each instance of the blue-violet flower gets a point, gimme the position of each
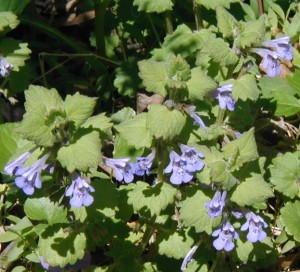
(281, 46)
(192, 157)
(216, 205)
(5, 67)
(12, 167)
(225, 234)
(225, 98)
(122, 169)
(255, 224)
(80, 191)
(143, 164)
(30, 177)
(178, 166)
(197, 120)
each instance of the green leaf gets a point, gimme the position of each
(8, 21)
(78, 108)
(245, 88)
(44, 209)
(123, 115)
(294, 81)
(19, 269)
(135, 131)
(247, 192)
(200, 84)
(15, 52)
(278, 10)
(15, 6)
(213, 4)
(286, 104)
(175, 245)
(153, 199)
(127, 81)
(165, 123)
(184, 41)
(290, 217)
(8, 236)
(193, 212)
(99, 121)
(220, 52)
(252, 32)
(285, 173)
(60, 247)
(153, 75)
(226, 22)
(241, 150)
(82, 154)
(271, 85)
(153, 5)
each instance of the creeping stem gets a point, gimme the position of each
(198, 16)
(168, 22)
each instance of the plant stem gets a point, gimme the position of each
(147, 234)
(220, 117)
(100, 8)
(154, 30)
(260, 7)
(160, 154)
(168, 21)
(198, 16)
(212, 269)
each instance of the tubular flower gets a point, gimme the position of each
(30, 177)
(225, 98)
(225, 234)
(192, 157)
(197, 120)
(281, 46)
(12, 167)
(143, 164)
(255, 224)
(178, 168)
(122, 169)
(79, 190)
(216, 205)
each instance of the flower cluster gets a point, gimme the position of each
(227, 233)
(124, 170)
(183, 167)
(27, 178)
(275, 51)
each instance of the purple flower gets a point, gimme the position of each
(12, 167)
(225, 236)
(79, 190)
(49, 267)
(237, 214)
(270, 61)
(30, 177)
(255, 225)
(5, 67)
(122, 169)
(197, 120)
(178, 166)
(192, 157)
(281, 46)
(143, 165)
(216, 205)
(225, 98)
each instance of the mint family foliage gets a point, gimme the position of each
(201, 175)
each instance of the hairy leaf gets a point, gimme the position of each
(290, 216)
(153, 5)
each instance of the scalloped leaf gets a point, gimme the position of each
(245, 88)
(78, 108)
(247, 192)
(165, 123)
(213, 4)
(153, 199)
(175, 245)
(153, 5)
(15, 52)
(99, 121)
(60, 247)
(285, 174)
(44, 209)
(200, 84)
(135, 131)
(82, 154)
(290, 217)
(226, 22)
(193, 212)
(8, 21)
(220, 52)
(154, 76)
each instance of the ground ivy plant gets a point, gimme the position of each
(182, 154)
